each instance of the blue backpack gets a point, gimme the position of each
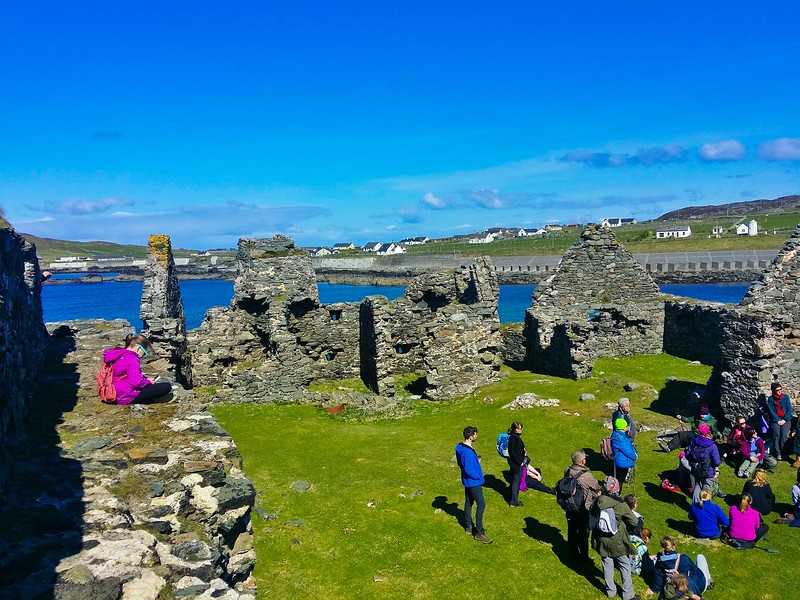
(502, 444)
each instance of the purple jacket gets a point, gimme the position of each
(760, 449)
(128, 378)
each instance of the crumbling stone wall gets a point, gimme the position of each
(694, 330)
(161, 310)
(22, 338)
(276, 337)
(599, 302)
(761, 339)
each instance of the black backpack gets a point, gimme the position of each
(569, 494)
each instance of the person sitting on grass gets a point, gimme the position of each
(669, 560)
(707, 516)
(678, 587)
(641, 563)
(735, 438)
(681, 439)
(752, 451)
(789, 518)
(746, 526)
(760, 491)
(633, 502)
(533, 480)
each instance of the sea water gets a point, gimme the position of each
(121, 299)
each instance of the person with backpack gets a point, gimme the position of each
(516, 462)
(669, 561)
(703, 457)
(624, 453)
(128, 381)
(610, 538)
(779, 407)
(623, 411)
(575, 493)
(472, 479)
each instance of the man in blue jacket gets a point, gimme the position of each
(472, 478)
(624, 453)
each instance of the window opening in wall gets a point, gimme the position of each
(335, 315)
(330, 356)
(403, 348)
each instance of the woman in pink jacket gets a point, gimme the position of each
(129, 382)
(746, 526)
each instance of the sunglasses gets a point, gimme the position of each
(143, 349)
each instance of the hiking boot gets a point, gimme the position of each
(721, 494)
(515, 504)
(664, 446)
(481, 537)
(796, 463)
(468, 531)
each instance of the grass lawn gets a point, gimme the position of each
(382, 516)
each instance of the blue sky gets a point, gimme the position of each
(355, 121)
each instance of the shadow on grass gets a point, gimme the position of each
(496, 485)
(673, 397)
(450, 508)
(681, 526)
(656, 492)
(597, 464)
(548, 534)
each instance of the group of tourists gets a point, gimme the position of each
(596, 510)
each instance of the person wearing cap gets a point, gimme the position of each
(624, 453)
(779, 407)
(703, 457)
(680, 439)
(615, 550)
(623, 411)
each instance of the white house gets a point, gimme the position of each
(742, 229)
(680, 231)
(752, 228)
(320, 251)
(484, 239)
(371, 246)
(414, 241)
(344, 246)
(530, 232)
(615, 222)
(390, 248)
(717, 230)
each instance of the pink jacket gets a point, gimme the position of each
(744, 525)
(128, 378)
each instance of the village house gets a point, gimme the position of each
(522, 232)
(320, 251)
(371, 246)
(414, 241)
(717, 231)
(342, 247)
(617, 222)
(679, 231)
(390, 248)
(482, 239)
(749, 228)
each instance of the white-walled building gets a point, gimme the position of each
(680, 231)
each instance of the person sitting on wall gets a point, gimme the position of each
(681, 439)
(131, 385)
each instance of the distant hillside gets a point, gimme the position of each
(49, 249)
(784, 204)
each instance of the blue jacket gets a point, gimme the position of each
(471, 471)
(707, 518)
(666, 560)
(624, 453)
(786, 404)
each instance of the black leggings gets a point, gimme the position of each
(153, 393)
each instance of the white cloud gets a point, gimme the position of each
(432, 201)
(725, 150)
(485, 199)
(780, 149)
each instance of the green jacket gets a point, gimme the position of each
(618, 544)
(711, 422)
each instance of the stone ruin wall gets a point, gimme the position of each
(599, 302)
(161, 310)
(22, 338)
(693, 330)
(761, 339)
(275, 337)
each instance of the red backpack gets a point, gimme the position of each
(105, 383)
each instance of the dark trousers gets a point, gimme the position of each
(474, 495)
(621, 473)
(153, 392)
(760, 533)
(779, 437)
(578, 535)
(679, 439)
(516, 478)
